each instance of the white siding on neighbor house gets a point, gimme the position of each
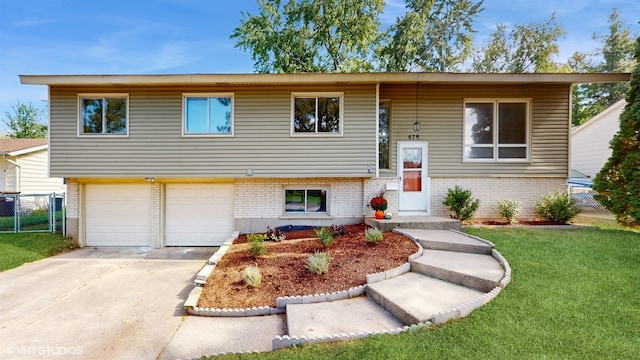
(262, 137)
(440, 112)
(34, 174)
(590, 141)
(32, 177)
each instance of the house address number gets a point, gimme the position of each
(414, 137)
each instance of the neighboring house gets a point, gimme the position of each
(182, 160)
(25, 167)
(590, 141)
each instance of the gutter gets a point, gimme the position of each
(4, 157)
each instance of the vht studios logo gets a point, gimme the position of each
(45, 350)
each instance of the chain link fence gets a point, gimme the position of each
(584, 199)
(32, 213)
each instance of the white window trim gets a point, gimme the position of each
(208, 95)
(496, 146)
(80, 122)
(295, 95)
(306, 188)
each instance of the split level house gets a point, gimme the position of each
(185, 160)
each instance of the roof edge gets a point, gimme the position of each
(324, 78)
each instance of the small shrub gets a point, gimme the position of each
(337, 230)
(318, 262)
(460, 203)
(256, 237)
(252, 276)
(373, 236)
(324, 235)
(509, 210)
(275, 234)
(558, 207)
(257, 247)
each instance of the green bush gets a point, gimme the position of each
(558, 207)
(319, 262)
(324, 235)
(252, 276)
(461, 205)
(257, 247)
(373, 236)
(509, 210)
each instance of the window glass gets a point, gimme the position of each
(513, 123)
(208, 115)
(329, 115)
(305, 115)
(305, 201)
(478, 122)
(104, 115)
(383, 136)
(316, 114)
(495, 130)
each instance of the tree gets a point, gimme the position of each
(523, 49)
(311, 35)
(618, 182)
(617, 53)
(25, 122)
(433, 35)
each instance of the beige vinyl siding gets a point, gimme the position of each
(440, 112)
(155, 146)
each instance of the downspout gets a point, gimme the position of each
(4, 157)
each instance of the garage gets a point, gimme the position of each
(118, 214)
(198, 214)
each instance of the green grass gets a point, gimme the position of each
(20, 248)
(574, 294)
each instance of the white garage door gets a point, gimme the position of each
(198, 214)
(118, 214)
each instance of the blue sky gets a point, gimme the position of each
(192, 36)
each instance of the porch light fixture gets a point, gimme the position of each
(416, 125)
(150, 180)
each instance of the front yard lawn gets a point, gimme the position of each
(574, 294)
(20, 248)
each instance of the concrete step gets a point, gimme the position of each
(356, 315)
(414, 298)
(448, 241)
(425, 222)
(476, 271)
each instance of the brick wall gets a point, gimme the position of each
(527, 191)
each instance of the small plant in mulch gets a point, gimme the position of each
(509, 210)
(252, 276)
(373, 236)
(337, 230)
(275, 234)
(324, 236)
(257, 247)
(318, 262)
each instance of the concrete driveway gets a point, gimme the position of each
(97, 303)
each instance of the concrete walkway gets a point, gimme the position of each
(129, 303)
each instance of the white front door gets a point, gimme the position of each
(413, 192)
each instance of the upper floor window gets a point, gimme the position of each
(317, 113)
(103, 114)
(496, 130)
(208, 114)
